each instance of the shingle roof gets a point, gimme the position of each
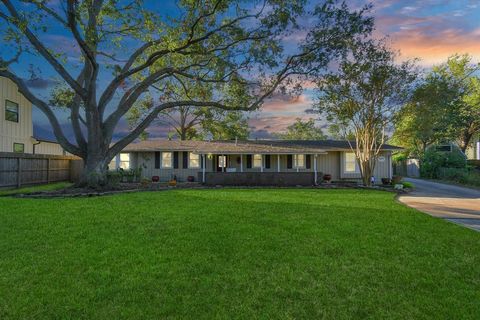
(244, 146)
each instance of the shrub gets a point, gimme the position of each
(433, 162)
(467, 176)
(407, 184)
(114, 178)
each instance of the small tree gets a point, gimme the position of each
(363, 96)
(302, 130)
(125, 48)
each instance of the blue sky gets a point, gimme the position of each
(430, 30)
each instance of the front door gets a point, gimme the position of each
(221, 163)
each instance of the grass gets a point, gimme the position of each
(37, 188)
(232, 253)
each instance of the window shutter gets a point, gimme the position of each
(157, 159)
(267, 161)
(249, 161)
(201, 161)
(175, 160)
(185, 159)
(308, 161)
(289, 161)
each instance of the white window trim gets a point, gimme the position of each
(357, 169)
(222, 161)
(170, 166)
(190, 161)
(17, 106)
(295, 161)
(120, 161)
(260, 165)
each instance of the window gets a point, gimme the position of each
(299, 161)
(167, 159)
(351, 162)
(444, 148)
(222, 161)
(257, 160)
(124, 161)
(11, 111)
(18, 148)
(193, 160)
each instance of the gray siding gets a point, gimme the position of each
(15, 132)
(382, 168)
(330, 163)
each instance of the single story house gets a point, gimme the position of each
(250, 162)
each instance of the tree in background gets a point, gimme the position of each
(225, 125)
(421, 121)
(444, 107)
(124, 49)
(196, 123)
(302, 130)
(462, 113)
(363, 97)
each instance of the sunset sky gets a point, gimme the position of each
(430, 30)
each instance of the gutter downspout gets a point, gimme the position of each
(204, 164)
(35, 144)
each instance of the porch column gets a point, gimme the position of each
(261, 165)
(390, 166)
(295, 161)
(278, 163)
(315, 168)
(241, 163)
(204, 165)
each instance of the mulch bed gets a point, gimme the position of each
(74, 192)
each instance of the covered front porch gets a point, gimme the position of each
(259, 169)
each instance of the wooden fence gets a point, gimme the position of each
(27, 169)
(407, 168)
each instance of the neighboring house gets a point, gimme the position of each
(16, 125)
(473, 151)
(259, 162)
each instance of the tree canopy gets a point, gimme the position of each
(122, 51)
(444, 107)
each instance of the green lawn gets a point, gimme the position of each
(228, 253)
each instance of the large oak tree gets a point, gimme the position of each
(230, 48)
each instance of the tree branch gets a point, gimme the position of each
(41, 49)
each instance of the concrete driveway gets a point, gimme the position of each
(456, 204)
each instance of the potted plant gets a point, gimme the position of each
(155, 179)
(190, 178)
(145, 182)
(386, 181)
(173, 181)
(327, 178)
(396, 180)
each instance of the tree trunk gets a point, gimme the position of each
(94, 173)
(465, 140)
(366, 173)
